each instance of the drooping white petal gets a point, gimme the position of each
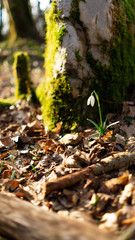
(88, 101)
(91, 101)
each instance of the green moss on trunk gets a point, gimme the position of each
(6, 103)
(23, 83)
(112, 82)
(75, 13)
(55, 94)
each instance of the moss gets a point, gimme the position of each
(111, 82)
(62, 30)
(75, 13)
(59, 105)
(78, 56)
(23, 83)
(55, 93)
(104, 46)
(6, 102)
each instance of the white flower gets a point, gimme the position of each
(91, 101)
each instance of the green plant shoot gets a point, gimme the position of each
(102, 127)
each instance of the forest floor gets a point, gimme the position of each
(60, 172)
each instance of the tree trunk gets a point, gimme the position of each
(0, 19)
(20, 19)
(89, 46)
(21, 220)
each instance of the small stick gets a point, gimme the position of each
(66, 181)
(118, 160)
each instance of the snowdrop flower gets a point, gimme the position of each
(91, 101)
(102, 127)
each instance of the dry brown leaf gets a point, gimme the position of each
(131, 144)
(128, 109)
(6, 167)
(57, 129)
(128, 221)
(108, 137)
(21, 193)
(71, 139)
(128, 211)
(99, 202)
(127, 192)
(8, 142)
(114, 183)
(35, 125)
(120, 139)
(6, 173)
(24, 138)
(11, 127)
(109, 221)
(49, 144)
(130, 131)
(12, 185)
(4, 155)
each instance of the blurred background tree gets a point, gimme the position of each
(20, 19)
(0, 20)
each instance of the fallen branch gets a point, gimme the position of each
(67, 180)
(21, 220)
(110, 163)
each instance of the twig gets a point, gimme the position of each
(107, 164)
(66, 181)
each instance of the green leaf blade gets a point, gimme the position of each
(112, 124)
(104, 125)
(94, 124)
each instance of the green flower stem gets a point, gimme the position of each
(102, 128)
(99, 108)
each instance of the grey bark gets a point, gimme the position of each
(21, 220)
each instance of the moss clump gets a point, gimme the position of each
(57, 104)
(55, 94)
(23, 83)
(6, 103)
(112, 82)
(78, 56)
(75, 13)
(62, 30)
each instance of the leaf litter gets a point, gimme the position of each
(57, 171)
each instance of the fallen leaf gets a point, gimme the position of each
(21, 193)
(128, 221)
(108, 136)
(130, 146)
(12, 185)
(4, 155)
(57, 129)
(109, 221)
(120, 139)
(127, 193)
(8, 142)
(114, 183)
(71, 139)
(6, 173)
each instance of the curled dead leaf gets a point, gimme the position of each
(12, 185)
